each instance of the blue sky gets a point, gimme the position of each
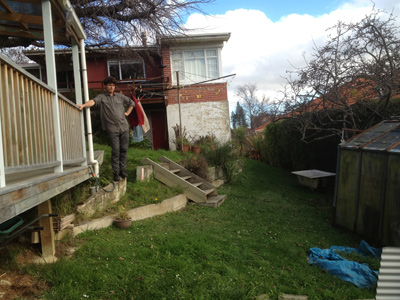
(275, 9)
(269, 38)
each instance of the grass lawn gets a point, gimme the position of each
(255, 243)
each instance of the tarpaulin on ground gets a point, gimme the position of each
(358, 274)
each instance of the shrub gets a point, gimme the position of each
(197, 164)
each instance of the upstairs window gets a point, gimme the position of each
(195, 65)
(124, 70)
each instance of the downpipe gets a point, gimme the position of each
(91, 159)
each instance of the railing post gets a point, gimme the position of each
(2, 172)
(52, 76)
(78, 93)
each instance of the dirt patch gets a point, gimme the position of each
(16, 285)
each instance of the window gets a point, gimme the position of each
(65, 80)
(195, 65)
(126, 69)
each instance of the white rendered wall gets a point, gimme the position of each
(200, 119)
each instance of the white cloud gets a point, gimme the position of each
(261, 51)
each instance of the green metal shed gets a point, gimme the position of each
(367, 189)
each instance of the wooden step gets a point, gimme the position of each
(214, 201)
(167, 172)
(208, 191)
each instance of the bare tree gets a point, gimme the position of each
(256, 111)
(15, 54)
(123, 22)
(359, 62)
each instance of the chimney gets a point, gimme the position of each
(144, 38)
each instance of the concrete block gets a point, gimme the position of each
(217, 183)
(169, 205)
(144, 173)
(211, 174)
(262, 297)
(101, 199)
(93, 225)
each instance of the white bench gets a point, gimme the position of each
(313, 178)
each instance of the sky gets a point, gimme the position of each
(270, 37)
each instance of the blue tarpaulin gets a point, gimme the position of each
(358, 274)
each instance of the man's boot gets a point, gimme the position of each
(123, 174)
(116, 177)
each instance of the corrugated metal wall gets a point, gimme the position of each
(389, 275)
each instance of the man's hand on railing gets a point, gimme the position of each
(90, 103)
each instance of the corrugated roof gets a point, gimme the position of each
(384, 136)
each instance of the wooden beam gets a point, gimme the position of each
(46, 235)
(17, 17)
(6, 6)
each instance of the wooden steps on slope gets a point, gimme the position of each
(195, 188)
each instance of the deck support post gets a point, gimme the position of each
(46, 235)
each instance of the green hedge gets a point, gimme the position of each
(283, 146)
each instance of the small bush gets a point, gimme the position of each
(197, 164)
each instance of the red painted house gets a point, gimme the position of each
(150, 74)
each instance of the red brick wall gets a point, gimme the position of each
(207, 92)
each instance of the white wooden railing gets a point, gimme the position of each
(27, 133)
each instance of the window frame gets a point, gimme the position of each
(125, 61)
(187, 79)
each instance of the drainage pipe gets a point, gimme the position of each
(91, 159)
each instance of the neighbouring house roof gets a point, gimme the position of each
(262, 127)
(350, 93)
(25, 20)
(384, 136)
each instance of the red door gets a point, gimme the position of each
(160, 134)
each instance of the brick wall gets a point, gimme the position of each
(207, 92)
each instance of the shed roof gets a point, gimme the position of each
(384, 136)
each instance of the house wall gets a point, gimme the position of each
(97, 71)
(200, 119)
(204, 107)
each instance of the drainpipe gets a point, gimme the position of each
(91, 159)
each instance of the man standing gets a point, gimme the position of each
(113, 111)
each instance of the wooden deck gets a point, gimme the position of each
(30, 189)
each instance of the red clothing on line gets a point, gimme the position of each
(136, 118)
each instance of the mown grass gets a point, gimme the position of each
(255, 243)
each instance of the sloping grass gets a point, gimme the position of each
(255, 243)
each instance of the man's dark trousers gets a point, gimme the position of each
(119, 142)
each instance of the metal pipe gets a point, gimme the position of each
(88, 119)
